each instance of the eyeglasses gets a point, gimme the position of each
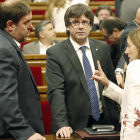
(106, 36)
(135, 22)
(76, 23)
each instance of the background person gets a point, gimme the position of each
(115, 30)
(69, 89)
(45, 32)
(103, 12)
(129, 97)
(20, 111)
(56, 10)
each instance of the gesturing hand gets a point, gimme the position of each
(99, 75)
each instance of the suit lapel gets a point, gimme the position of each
(72, 55)
(4, 33)
(95, 53)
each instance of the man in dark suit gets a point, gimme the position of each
(20, 112)
(46, 34)
(115, 30)
(69, 88)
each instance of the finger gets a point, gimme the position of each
(66, 132)
(95, 77)
(71, 131)
(95, 73)
(99, 66)
(61, 133)
(57, 133)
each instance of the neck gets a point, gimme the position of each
(46, 43)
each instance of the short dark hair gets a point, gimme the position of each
(40, 27)
(76, 11)
(14, 11)
(112, 22)
(107, 7)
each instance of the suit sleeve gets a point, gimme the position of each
(10, 111)
(56, 91)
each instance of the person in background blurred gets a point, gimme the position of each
(46, 34)
(56, 9)
(129, 98)
(103, 12)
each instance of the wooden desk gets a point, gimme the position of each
(73, 137)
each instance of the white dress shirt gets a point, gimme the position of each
(43, 48)
(91, 61)
(129, 99)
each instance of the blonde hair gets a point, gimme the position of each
(134, 36)
(50, 6)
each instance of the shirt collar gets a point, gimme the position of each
(43, 46)
(18, 44)
(77, 46)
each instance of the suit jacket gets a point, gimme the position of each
(32, 48)
(122, 45)
(20, 112)
(67, 90)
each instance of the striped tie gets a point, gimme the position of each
(91, 86)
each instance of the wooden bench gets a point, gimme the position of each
(62, 36)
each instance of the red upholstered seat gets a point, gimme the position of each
(22, 44)
(38, 12)
(36, 71)
(2, 0)
(47, 117)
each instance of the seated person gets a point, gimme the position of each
(103, 12)
(46, 34)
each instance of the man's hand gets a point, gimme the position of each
(64, 132)
(119, 79)
(36, 136)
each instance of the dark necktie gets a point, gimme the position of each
(91, 86)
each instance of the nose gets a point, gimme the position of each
(126, 51)
(80, 25)
(30, 25)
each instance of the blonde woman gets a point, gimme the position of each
(56, 9)
(129, 97)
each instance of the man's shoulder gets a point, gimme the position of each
(129, 27)
(31, 44)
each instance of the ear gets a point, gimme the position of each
(67, 28)
(41, 34)
(10, 25)
(90, 28)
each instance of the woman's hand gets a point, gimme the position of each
(99, 75)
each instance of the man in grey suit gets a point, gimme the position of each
(20, 111)
(115, 30)
(46, 34)
(69, 89)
